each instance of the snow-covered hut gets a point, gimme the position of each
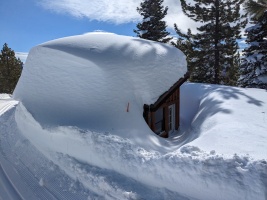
(98, 77)
(163, 116)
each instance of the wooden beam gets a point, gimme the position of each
(153, 121)
(166, 119)
(163, 98)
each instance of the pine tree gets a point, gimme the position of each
(215, 45)
(152, 26)
(253, 70)
(10, 70)
(256, 8)
(185, 43)
(233, 73)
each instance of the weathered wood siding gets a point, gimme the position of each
(173, 99)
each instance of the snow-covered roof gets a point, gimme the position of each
(94, 77)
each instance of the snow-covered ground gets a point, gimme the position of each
(221, 162)
(219, 152)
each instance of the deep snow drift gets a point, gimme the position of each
(95, 76)
(219, 152)
(87, 164)
(228, 119)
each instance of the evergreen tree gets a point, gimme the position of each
(10, 70)
(215, 45)
(152, 26)
(256, 8)
(253, 70)
(185, 43)
(233, 73)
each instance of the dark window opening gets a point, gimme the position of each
(159, 121)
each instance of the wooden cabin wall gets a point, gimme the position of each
(153, 121)
(177, 110)
(173, 99)
(166, 119)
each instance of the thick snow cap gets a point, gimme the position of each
(90, 80)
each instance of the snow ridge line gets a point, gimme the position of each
(7, 106)
(111, 184)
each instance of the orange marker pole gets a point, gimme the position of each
(128, 106)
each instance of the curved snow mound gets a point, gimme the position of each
(90, 80)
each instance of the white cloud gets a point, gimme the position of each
(116, 11)
(22, 55)
(176, 15)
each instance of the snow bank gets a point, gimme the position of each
(225, 120)
(188, 171)
(225, 158)
(4, 96)
(88, 80)
(6, 103)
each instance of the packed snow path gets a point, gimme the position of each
(7, 190)
(29, 173)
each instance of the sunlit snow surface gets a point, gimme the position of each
(88, 81)
(227, 163)
(220, 151)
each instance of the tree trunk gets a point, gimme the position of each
(216, 41)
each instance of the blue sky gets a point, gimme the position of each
(27, 23)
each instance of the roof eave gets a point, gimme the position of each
(166, 95)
